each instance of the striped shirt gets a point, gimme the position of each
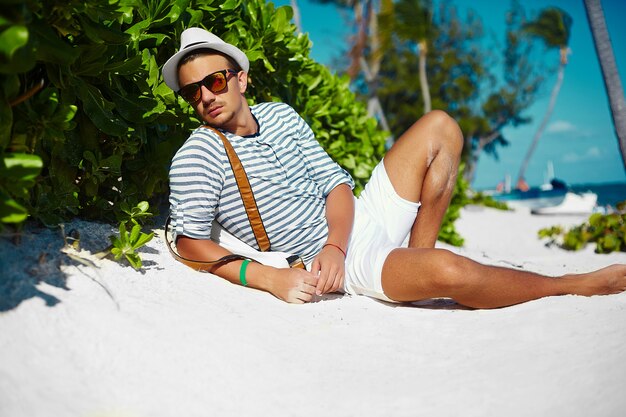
(289, 172)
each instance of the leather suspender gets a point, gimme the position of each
(251, 210)
(246, 193)
(192, 263)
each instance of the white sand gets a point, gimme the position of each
(174, 342)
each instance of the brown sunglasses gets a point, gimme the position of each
(215, 82)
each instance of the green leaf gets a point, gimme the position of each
(280, 19)
(166, 94)
(23, 60)
(229, 5)
(64, 116)
(91, 61)
(11, 211)
(362, 171)
(50, 47)
(314, 82)
(195, 16)
(612, 220)
(112, 164)
(91, 158)
(99, 110)
(143, 206)
(134, 234)
(12, 39)
(125, 67)
(137, 109)
(123, 235)
(142, 240)
(609, 243)
(138, 28)
(100, 33)
(595, 219)
(134, 260)
(21, 166)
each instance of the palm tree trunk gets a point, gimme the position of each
(362, 14)
(612, 82)
(470, 166)
(374, 108)
(371, 70)
(376, 54)
(422, 74)
(544, 122)
(474, 150)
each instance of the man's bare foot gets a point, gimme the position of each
(609, 280)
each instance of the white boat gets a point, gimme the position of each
(533, 198)
(552, 197)
(573, 203)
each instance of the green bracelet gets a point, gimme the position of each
(242, 272)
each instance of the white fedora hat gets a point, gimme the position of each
(197, 38)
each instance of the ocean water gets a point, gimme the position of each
(608, 194)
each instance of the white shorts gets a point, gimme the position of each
(382, 221)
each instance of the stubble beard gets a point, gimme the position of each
(221, 120)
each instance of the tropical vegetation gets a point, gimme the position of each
(612, 81)
(607, 231)
(395, 40)
(88, 127)
(553, 27)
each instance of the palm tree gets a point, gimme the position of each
(612, 82)
(362, 10)
(414, 23)
(369, 38)
(380, 41)
(553, 28)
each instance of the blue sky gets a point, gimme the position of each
(580, 140)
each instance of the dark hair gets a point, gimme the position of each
(208, 51)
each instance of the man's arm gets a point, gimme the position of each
(289, 284)
(330, 263)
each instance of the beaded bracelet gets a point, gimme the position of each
(242, 272)
(335, 246)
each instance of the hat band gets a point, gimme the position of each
(195, 43)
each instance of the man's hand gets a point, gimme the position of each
(293, 285)
(330, 265)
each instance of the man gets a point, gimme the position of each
(307, 206)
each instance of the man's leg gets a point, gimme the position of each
(411, 274)
(422, 166)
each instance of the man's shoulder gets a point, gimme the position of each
(204, 134)
(271, 107)
(202, 140)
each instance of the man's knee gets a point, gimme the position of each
(451, 269)
(448, 131)
(437, 116)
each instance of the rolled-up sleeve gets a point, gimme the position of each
(196, 180)
(326, 172)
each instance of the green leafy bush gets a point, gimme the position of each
(17, 174)
(126, 243)
(106, 126)
(82, 92)
(608, 231)
(481, 199)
